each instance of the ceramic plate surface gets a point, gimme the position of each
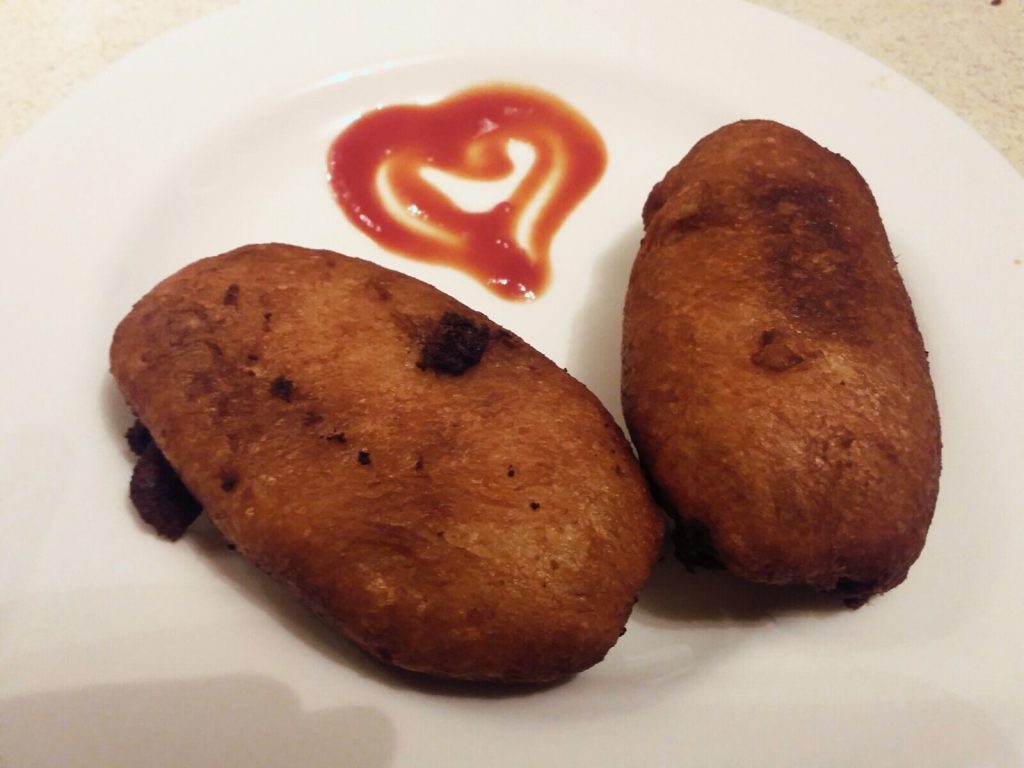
(118, 648)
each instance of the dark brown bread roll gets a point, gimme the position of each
(434, 487)
(774, 379)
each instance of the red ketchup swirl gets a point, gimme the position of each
(375, 168)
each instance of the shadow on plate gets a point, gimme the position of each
(846, 715)
(676, 594)
(246, 721)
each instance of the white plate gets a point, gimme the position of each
(117, 648)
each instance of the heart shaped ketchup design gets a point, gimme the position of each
(376, 170)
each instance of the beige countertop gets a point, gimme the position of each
(969, 54)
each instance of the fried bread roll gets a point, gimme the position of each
(775, 382)
(435, 488)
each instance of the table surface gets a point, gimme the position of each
(968, 54)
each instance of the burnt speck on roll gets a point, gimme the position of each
(228, 481)
(282, 388)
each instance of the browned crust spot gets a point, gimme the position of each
(810, 263)
(774, 354)
(231, 295)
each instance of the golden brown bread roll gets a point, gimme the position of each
(434, 487)
(774, 379)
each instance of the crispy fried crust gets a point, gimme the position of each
(774, 379)
(435, 488)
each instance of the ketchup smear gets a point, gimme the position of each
(467, 135)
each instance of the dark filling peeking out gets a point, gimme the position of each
(138, 437)
(855, 593)
(694, 545)
(156, 491)
(454, 345)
